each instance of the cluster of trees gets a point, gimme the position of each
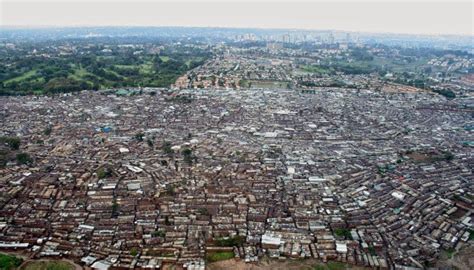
(188, 155)
(92, 70)
(23, 159)
(9, 147)
(167, 148)
(8, 262)
(446, 93)
(343, 232)
(233, 241)
(354, 68)
(360, 54)
(12, 142)
(159, 233)
(104, 172)
(139, 136)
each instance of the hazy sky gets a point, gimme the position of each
(414, 17)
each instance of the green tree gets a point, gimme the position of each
(203, 211)
(234, 241)
(167, 148)
(23, 158)
(170, 190)
(149, 142)
(139, 136)
(12, 142)
(104, 173)
(47, 131)
(446, 93)
(8, 262)
(115, 207)
(448, 156)
(187, 155)
(343, 232)
(159, 233)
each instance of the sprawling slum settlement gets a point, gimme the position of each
(146, 178)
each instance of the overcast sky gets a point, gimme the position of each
(413, 17)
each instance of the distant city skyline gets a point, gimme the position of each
(419, 17)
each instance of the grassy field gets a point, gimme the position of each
(194, 59)
(219, 256)
(8, 262)
(147, 67)
(48, 265)
(23, 77)
(80, 73)
(113, 72)
(125, 66)
(164, 58)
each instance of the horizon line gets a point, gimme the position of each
(33, 27)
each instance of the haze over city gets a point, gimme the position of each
(413, 17)
(227, 135)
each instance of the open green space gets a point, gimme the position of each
(8, 262)
(90, 70)
(219, 256)
(230, 241)
(25, 76)
(165, 58)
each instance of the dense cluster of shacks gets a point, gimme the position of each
(335, 174)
